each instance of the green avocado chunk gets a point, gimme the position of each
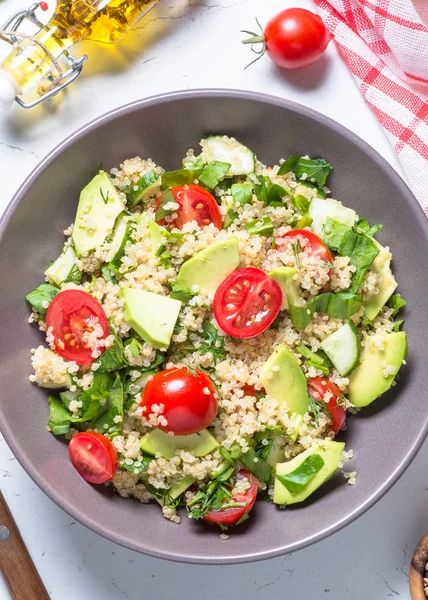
(330, 454)
(386, 286)
(284, 277)
(98, 208)
(176, 490)
(377, 369)
(209, 267)
(152, 316)
(283, 380)
(157, 441)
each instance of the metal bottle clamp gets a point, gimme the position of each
(75, 64)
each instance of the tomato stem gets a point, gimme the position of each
(255, 38)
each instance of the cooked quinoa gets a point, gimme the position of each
(248, 417)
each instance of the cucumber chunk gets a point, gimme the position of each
(228, 150)
(343, 348)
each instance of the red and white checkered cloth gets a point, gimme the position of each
(385, 45)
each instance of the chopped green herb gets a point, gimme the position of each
(397, 325)
(113, 358)
(40, 296)
(304, 473)
(242, 193)
(166, 198)
(301, 203)
(105, 198)
(180, 293)
(180, 177)
(268, 192)
(263, 226)
(75, 276)
(314, 170)
(297, 248)
(213, 173)
(396, 302)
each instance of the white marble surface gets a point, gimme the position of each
(186, 45)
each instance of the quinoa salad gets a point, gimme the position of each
(210, 329)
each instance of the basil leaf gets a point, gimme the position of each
(44, 293)
(107, 274)
(340, 306)
(136, 190)
(180, 177)
(263, 226)
(59, 417)
(362, 226)
(333, 233)
(268, 192)
(134, 346)
(301, 203)
(242, 193)
(397, 325)
(90, 398)
(396, 302)
(213, 173)
(114, 409)
(261, 470)
(163, 212)
(180, 293)
(314, 170)
(304, 473)
(132, 468)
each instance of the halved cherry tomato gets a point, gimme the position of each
(189, 398)
(93, 456)
(247, 302)
(317, 387)
(230, 514)
(315, 245)
(196, 204)
(249, 390)
(71, 314)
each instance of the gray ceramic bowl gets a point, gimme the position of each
(385, 437)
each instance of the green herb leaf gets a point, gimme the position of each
(304, 473)
(75, 276)
(305, 221)
(103, 196)
(146, 460)
(301, 203)
(59, 417)
(297, 248)
(180, 293)
(136, 190)
(113, 358)
(396, 302)
(116, 261)
(107, 274)
(114, 410)
(212, 342)
(268, 192)
(263, 226)
(242, 193)
(340, 306)
(314, 170)
(44, 293)
(180, 177)
(213, 173)
(362, 226)
(134, 346)
(397, 325)
(163, 212)
(317, 359)
(90, 398)
(261, 470)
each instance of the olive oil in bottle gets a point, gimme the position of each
(106, 21)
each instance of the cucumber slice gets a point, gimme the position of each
(227, 149)
(320, 210)
(145, 187)
(64, 268)
(343, 348)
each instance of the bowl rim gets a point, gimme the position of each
(201, 93)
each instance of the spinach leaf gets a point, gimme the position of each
(134, 346)
(162, 212)
(59, 418)
(314, 170)
(211, 342)
(136, 190)
(90, 398)
(44, 293)
(268, 192)
(113, 358)
(179, 177)
(132, 468)
(180, 293)
(362, 226)
(213, 173)
(242, 193)
(304, 473)
(396, 302)
(263, 226)
(340, 306)
(397, 325)
(261, 470)
(301, 203)
(114, 408)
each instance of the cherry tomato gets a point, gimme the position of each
(317, 387)
(296, 38)
(249, 390)
(315, 244)
(247, 302)
(230, 516)
(189, 398)
(93, 456)
(196, 204)
(71, 314)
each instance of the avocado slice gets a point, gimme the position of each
(157, 441)
(283, 380)
(176, 490)
(158, 235)
(64, 268)
(98, 208)
(152, 316)
(387, 283)
(209, 267)
(329, 451)
(367, 381)
(284, 277)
